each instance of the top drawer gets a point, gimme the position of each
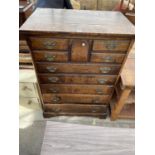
(111, 45)
(49, 43)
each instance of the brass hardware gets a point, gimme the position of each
(111, 45)
(96, 101)
(105, 69)
(54, 90)
(50, 45)
(51, 69)
(57, 110)
(99, 91)
(108, 59)
(27, 88)
(83, 44)
(30, 102)
(56, 99)
(50, 57)
(53, 79)
(102, 81)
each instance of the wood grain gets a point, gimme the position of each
(75, 139)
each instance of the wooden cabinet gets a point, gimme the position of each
(77, 59)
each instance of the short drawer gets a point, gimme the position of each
(76, 89)
(30, 103)
(49, 43)
(27, 90)
(76, 98)
(74, 108)
(111, 45)
(107, 57)
(50, 56)
(78, 68)
(77, 79)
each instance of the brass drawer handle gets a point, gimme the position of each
(51, 69)
(105, 69)
(102, 81)
(99, 91)
(54, 90)
(57, 110)
(108, 59)
(96, 101)
(56, 99)
(50, 45)
(50, 57)
(111, 45)
(53, 79)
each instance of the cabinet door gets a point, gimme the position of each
(79, 52)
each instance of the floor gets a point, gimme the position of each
(32, 127)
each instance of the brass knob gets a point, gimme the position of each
(50, 45)
(83, 44)
(53, 79)
(108, 59)
(50, 57)
(99, 91)
(102, 81)
(111, 45)
(105, 69)
(51, 69)
(56, 99)
(95, 109)
(57, 110)
(54, 90)
(96, 101)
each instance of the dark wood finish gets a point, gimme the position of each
(107, 57)
(49, 43)
(76, 98)
(77, 79)
(78, 22)
(76, 89)
(77, 73)
(79, 51)
(78, 68)
(50, 56)
(111, 45)
(77, 108)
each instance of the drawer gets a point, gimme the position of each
(76, 89)
(77, 79)
(78, 68)
(74, 108)
(111, 45)
(107, 57)
(49, 43)
(27, 90)
(50, 56)
(30, 103)
(75, 98)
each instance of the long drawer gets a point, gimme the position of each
(111, 45)
(78, 68)
(80, 108)
(49, 43)
(50, 56)
(76, 89)
(77, 79)
(107, 57)
(76, 98)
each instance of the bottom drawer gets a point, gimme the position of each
(75, 108)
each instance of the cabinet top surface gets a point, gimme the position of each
(78, 21)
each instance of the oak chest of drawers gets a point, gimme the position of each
(77, 56)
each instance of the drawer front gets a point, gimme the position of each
(75, 98)
(30, 103)
(77, 79)
(78, 68)
(49, 43)
(50, 56)
(107, 57)
(75, 108)
(27, 90)
(111, 45)
(76, 89)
